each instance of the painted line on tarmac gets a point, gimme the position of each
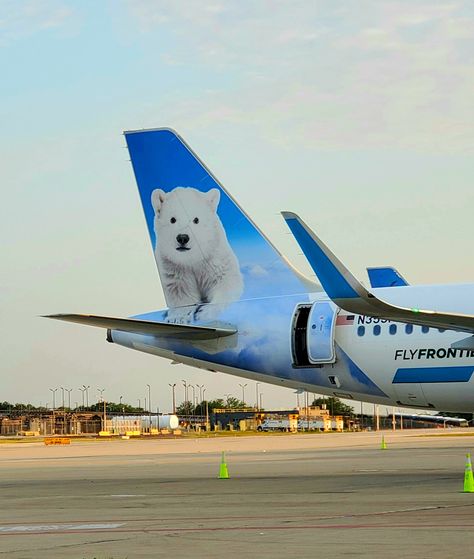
(261, 529)
(125, 496)
(58, 528)
(10, 528)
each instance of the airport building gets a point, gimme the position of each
(311, 418)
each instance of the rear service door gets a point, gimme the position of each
(320, 332)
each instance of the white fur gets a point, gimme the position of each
(202, 270)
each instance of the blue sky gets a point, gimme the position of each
(358, 115)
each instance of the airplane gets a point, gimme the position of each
(236, 305)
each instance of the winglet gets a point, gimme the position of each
(349, 294)
(385, 276)
(335, 278)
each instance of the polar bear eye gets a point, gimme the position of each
(173, 220)
(196, 220)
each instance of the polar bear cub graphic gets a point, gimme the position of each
(194, 258)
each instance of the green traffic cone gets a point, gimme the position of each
(223, 471)
(383, 446)
(468, 477)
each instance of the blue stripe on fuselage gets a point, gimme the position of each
(433, 374)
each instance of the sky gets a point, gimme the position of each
(358, 115)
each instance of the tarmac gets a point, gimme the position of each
(324, 495)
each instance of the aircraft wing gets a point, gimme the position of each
(162, 329)
(349, 294)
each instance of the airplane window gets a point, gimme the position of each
(377, 330)
(409, 328)
(441, 330)
(393, 329)
(361, 330)
(425, 329)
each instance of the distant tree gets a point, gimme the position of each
(334, 405)
(216, 404)
(234, 403)
(200, 409)
(113, 407)
(185, 408)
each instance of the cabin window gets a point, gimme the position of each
(409, 328)
(392, 329)
(361, 331)
(425, 329)
(377, 330)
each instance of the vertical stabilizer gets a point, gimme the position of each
(206, 248)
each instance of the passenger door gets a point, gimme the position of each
(320, 332)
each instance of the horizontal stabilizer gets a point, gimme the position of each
(465, 343)
(385, 276)
(349, 294)
(161, 329)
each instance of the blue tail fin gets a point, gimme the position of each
(206, 248)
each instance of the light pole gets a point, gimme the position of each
(68, 390)
(53, 427)
(54, 390)
(173, 389)
(243, 392)
(83, 401)
(194, 393)
(200, 386)
(207, 412)
(62, 392)
(149, 397)
(149, 404)
(256, 395)
(86, 389)
(185, 384)
(306, 398)
(101, 391)
(297, 399)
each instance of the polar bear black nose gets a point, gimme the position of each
(182, 239)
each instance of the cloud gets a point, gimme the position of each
(22, 18)
(327, 75)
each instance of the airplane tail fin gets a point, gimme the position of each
(206, 248)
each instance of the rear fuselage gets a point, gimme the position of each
(374, 360)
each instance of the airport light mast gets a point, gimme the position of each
(173, 389)
(243, 391)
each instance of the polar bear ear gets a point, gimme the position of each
(157, 199)
(213, 197)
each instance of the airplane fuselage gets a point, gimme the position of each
(374, 360)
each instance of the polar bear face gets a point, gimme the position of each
(187, 227)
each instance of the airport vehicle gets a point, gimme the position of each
(285, 424)
(235, 304)
(280, 424)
